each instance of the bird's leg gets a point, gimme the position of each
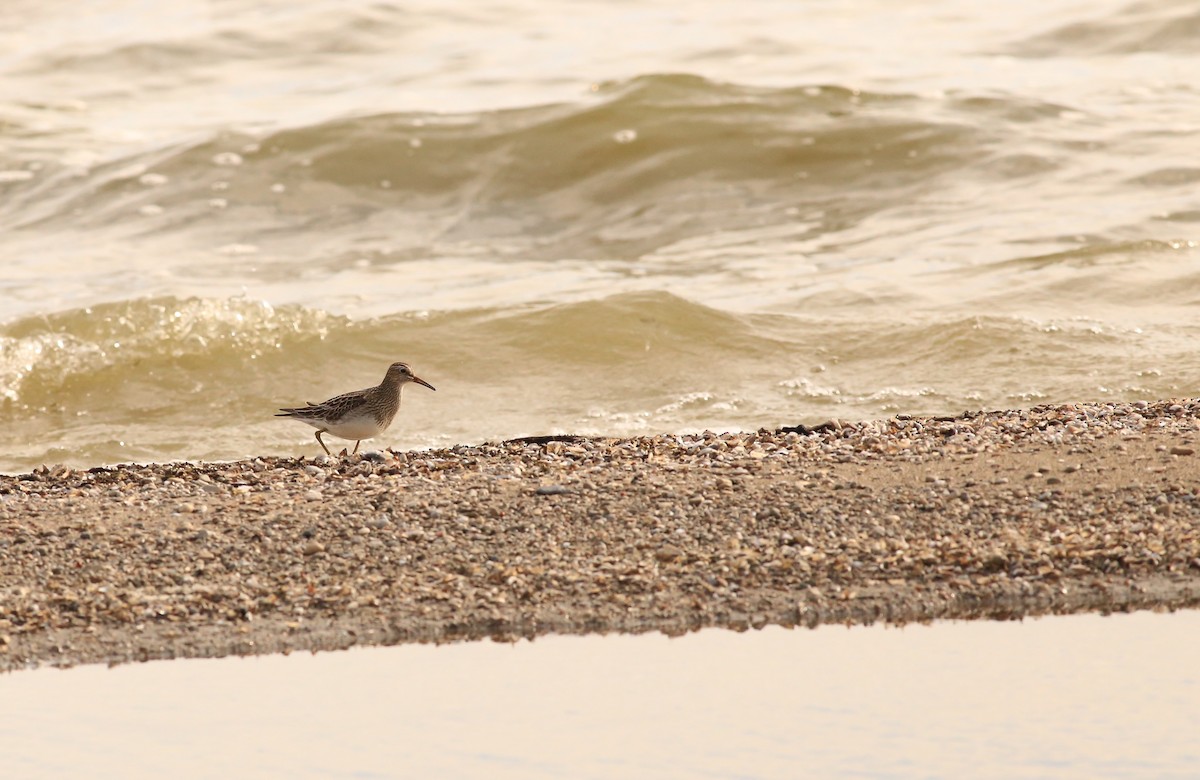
(356, 447)
(327, 452)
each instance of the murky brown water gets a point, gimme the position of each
(595, 217)
(1072, 697)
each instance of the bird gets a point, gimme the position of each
(360, 415)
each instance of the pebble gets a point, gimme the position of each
(668, 552)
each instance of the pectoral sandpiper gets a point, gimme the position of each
(360, 415)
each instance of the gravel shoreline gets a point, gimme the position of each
(1057, 509)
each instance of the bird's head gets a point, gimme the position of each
(400, 373)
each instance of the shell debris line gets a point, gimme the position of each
(1054, 509)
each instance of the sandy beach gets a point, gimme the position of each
(1058, 509)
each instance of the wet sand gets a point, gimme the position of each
(1084, 507)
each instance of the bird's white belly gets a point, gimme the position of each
(355, 428)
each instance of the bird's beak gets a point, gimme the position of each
(421, 381)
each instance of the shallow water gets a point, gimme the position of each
(595, 217)
(1071, 697)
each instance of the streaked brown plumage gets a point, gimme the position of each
(359, 415)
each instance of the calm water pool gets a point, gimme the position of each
(1070, 697)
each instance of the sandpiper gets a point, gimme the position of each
(360, 415)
